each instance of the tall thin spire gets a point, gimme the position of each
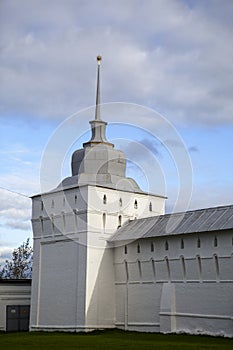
(97, 108)
(98, 126)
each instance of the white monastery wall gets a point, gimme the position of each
(107, 210)
(177, 283)
(81, 281)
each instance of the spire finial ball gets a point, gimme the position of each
(99, 58)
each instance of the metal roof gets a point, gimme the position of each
(201, 220)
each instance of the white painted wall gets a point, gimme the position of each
(176, 290)
(73, 272)
(59, 264)
(79, 282)
(104, 208)
(12, 294)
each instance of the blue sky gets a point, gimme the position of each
(168, 63)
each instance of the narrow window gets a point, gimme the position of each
(140, 269)
(166, 245)
(198, 243)
(183, 267)
(126, 250)
(135, 204)
(150, 206)
(216, 263)
(64, 220)
(182, 244)
(126, 271)
(42, 206)
(64, 202)
(104, 220)
(75, 218)
(153, 267)
(52, 204)
(52, 221)
(75, 199)
(152, 247)
(120, 202)
(138, 248)
(199, 267)
(168, 268)
(215, 241)
(42, 223)
(104, 199)
(119, 221)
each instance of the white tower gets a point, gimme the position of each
(73, 285)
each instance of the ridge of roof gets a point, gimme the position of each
(200, 220)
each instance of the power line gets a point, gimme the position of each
(18, 193)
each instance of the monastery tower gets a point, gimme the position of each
(73, 269)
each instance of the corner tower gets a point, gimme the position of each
(73, 284)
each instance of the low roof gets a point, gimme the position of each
(202, 220)
(16, 281)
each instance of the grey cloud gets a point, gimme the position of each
(18, 225)
(142, 150)
(180, 62)
(5, 254)
(15, 211)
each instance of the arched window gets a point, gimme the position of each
(120, 202)
(104, 199)
(215, 241)
(135, 204)
(182, 244)
(166, 245)
(138, 248)
(198, 243)
(150, 206)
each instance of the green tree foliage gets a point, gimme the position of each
(20, 265)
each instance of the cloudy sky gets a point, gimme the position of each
(166, 80)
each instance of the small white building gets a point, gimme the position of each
(15, 299)
(103, 256)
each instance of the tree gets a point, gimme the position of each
(20, 265)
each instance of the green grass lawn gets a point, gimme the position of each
(110, 340)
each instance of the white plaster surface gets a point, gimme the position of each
(12, 294)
